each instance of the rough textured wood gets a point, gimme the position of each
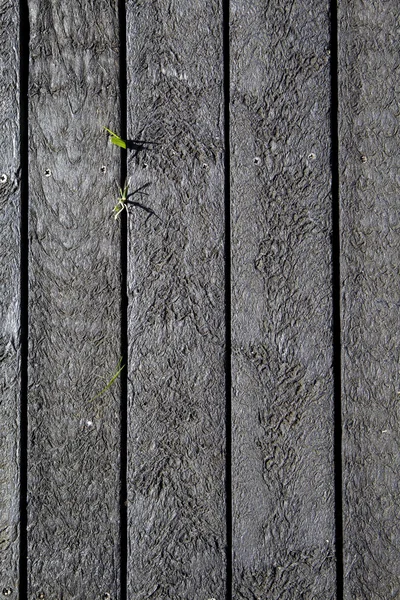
(176, 503)
(282, 463)
(369, 192)
(74, 320)
(9, 297)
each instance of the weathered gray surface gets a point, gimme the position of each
(370, 221)
(9, 297)
(282, 463)
(176, 480)
(74, 320)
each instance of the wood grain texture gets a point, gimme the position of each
(369, 193)
(282, 404)
(176, 478)
(9, 297)
(74, 302)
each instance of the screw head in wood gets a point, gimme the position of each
(3, 178)
(7, 592)
(47, 173)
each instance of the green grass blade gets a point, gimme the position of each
(112, 380)
(118, 142)
(115, 139)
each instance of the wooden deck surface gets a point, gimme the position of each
(282, 381)
(249, 448)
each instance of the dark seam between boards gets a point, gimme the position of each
(228, 320)
(336, 303)
(24, 33)
(124, 309)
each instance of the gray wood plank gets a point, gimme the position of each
(9, 298)
(74, 300)
(369, 194)
(282, 404)
(176, 429)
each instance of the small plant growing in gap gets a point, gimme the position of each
(122, 200)
(115, 139)
(117, 373)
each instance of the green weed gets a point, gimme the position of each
(122, 199)
(120, 366)
(115, 139)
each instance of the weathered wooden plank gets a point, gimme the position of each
(74, 300)
(9, 298)
(176, 429)
(282, 404)
(370, 222)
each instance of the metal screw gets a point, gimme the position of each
(312, 156)
(257, 160)
(3, 178)
(106, 596)
(47, 174)
(7, 592)
(363, 158)
(103, 169)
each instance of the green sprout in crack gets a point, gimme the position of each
(120, 366)
(115, 139)
(122, 200)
